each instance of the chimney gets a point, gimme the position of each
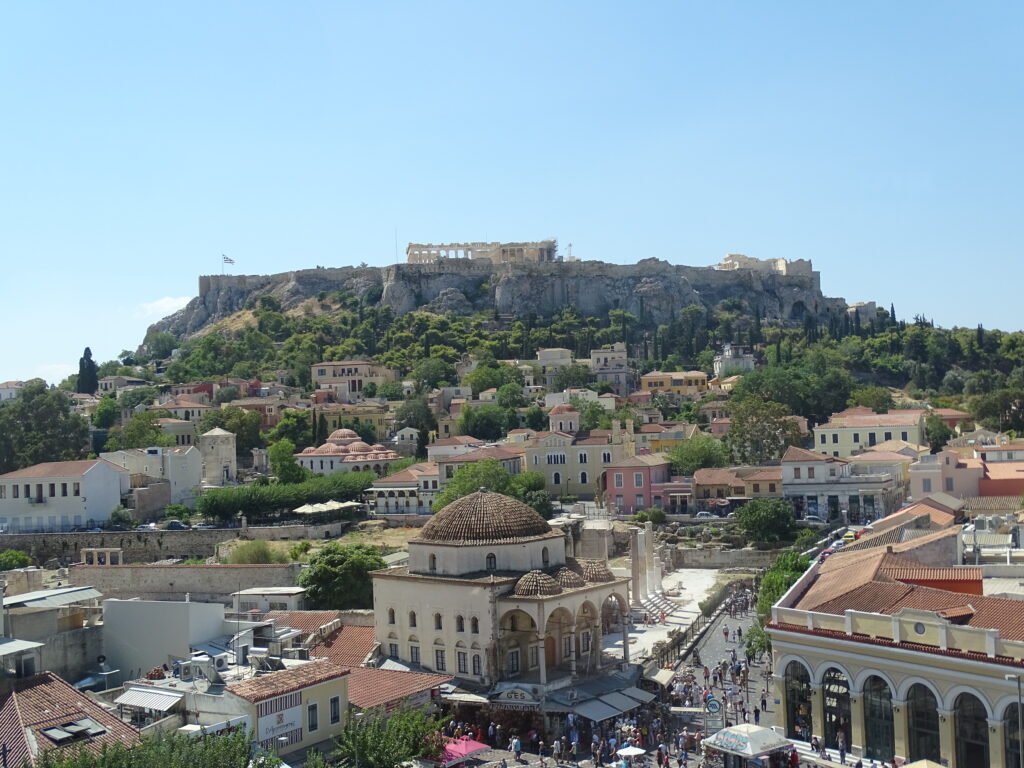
(629, 428)
(616, 431)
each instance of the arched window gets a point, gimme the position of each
(879, 738)
(474, 625)
(556, 479)
(836, 688)
(971, 720)
(437, 621)
(1012, 737)
(544, 557)
(391, 615)
(583, 478)
(460, 624)
(412, 618)
(433, 562)
(798, 700)
(923, 724)
(492, 562)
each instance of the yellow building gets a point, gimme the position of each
(661, 438)
(901, 653)
(860, 429)
(675, 383)
(339, 415)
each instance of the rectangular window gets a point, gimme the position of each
(949, 485)
(63, 489)
(872, 438)
(75, 490)
(439, 660)
(618, 480)
(476, 664)
(53, 490)
(888, 435)
(461, 658)
(835, 438)
(585, 642)
(856, 437)
(771, 487)
(831, 471)
(393, 650)
(810, 473)
(513, 662)
(823, 439)
(926, 485)
(583, 457)
(640, 502)
(414, 654)
(757, 487)
(335, 710)
(606, 457)
(638, 479)
(567, 647)
(312, 718)
(3, 491)
(796, 473)
(903, 436)
(534, 656)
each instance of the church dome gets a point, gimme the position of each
(306, 451)
(596, 570)
(358, 447)
(569, 579)
(378, 447)
(485, 517)
(536, 583)
(343, 434)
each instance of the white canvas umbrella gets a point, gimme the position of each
(631, 751)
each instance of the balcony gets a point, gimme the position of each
(36, 499)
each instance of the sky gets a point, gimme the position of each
(141, 141)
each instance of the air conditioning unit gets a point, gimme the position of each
(220, 661)
(185, 670)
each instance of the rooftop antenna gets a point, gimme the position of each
(570, 251)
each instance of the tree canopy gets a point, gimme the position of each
(38, 426)
(698, 452)
(761, 430)
(245, 425)
(338, 577)
(766, 519)
(387, 740)
(528, 487)
(281, 456)
(140, 431)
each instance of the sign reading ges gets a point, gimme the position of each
(270, 726)
(516, 694)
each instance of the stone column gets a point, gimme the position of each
(900, 729)
(817, 711)
(572, 651)
(641, 557)
(857, 730)
(625, 638)
(996, 745)
(777, 690)
(596, 643)
(947, 735)
(634, 567)
(653, 581)
(542, 664)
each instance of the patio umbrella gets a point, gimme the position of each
(631, 751)
(457, 750)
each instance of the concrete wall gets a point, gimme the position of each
(149, 546)
(203, 583)
(722, 558)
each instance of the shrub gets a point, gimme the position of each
(258, 499)
(256, 552)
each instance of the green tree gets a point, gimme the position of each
(415, 413)
(107, 413)
(391, 390)
(338, 577)
(226, 394)
(140, 431)
(766, 519)
(782, 574)
(178, 512)
(37, 426)
(160, 344)
(572, 376)
(937, 433)
(121, 516)
(510, 396)
(386, 740)
(699, 452)
(370, 389)
(430, 372)
(14, 558)
(295, 425)
(536, 419)
(492, 376)
(470, 478)
(761, 430)
(136, 396)
(243, 424)
(88, 379)
(878, 399)
(487, 422)
(283, 464)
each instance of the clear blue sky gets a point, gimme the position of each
(140, 141)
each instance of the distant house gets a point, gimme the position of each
(676, 384)
(410, 491)
(59, 495)
(9, 389)
(857, 429)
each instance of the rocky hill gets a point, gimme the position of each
(651, 289)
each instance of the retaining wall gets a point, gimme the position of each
(202, 583)
(689, 557)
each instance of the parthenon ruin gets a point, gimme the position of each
(496, 253)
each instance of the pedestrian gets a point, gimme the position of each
(725, 632)
(764, 701)
(757, 715)
(794, 759)
(574, 751)
(739, 634)
(542, 754)
(517, 748)
(504, 763)
(841, 739)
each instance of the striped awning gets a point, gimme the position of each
(156, 699)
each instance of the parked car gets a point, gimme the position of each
(203, 526)
(145, 527)
(177, 525)
(813, 520)
(705, 516)
(849, 536)
(118, 528)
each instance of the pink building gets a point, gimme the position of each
(642, 482)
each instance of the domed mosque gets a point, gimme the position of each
(345, 451)
(493, 596)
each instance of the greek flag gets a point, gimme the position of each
(227, 260)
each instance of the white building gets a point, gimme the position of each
(265, 599)
(817, 484)
(9, 389)
(180, 466)
(345, 451)
(220, 463)
(733, 358)
(493, 596)
(59, 495)
(409, 492)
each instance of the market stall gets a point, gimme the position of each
(746, 746)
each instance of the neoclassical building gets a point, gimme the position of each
(345, 451)
(493, 596)
(901, 650)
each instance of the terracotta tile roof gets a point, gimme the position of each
(346, 646)
(59, 469)
(457, 440)
(642, 460)
(286, 681)
(716, 477)
(369, 687)
(994, 503)
(1014, 446)
(1005, 470)
(950, 413)
(802, 454)
(898, 418)
(46, 701)
(307, 622)
(482, 454)
(873, 597)
(769, 474)
(410, 474)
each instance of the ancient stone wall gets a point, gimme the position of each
(202, 583)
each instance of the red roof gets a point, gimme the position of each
(369, 687)
(286, 681)
(346, 646)
(801, 454)
(306, 622)
(59, 469)
(46, 701)
(564, 408)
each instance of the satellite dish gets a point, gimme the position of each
(101, 658)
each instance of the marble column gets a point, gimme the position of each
(817, 711)
(634, 568)
(542, 663)
(572, 651)
(777, 688)
(900, 729)
(947, 735)
(997, 745)
(625, 639)
(653, 579)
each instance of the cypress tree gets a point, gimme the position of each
(88, 381)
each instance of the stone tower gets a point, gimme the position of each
(217, 448)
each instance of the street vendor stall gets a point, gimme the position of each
(746, 746)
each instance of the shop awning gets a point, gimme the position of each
(662, 677)
(596, 710)
(149, 698)
(747, 740)
(619, 701)
(642, 696)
